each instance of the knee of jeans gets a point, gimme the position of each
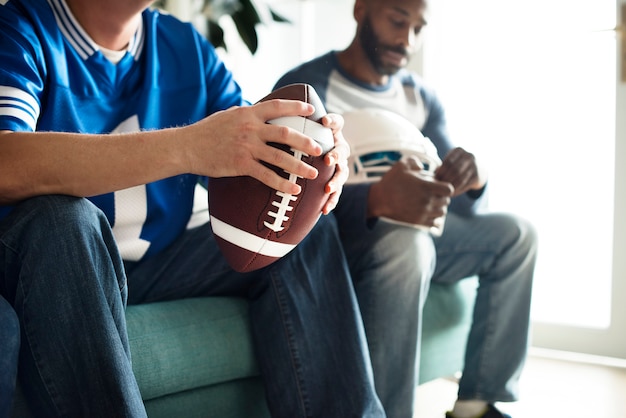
(521, 234)
(529, 236)
(64, 237)
(53, 227)
(425, 246)
(54, 216)
(408, 251)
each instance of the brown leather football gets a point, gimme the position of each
(255, 225)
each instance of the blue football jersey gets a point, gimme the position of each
(54, 77)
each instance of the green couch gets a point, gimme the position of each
(194, 357)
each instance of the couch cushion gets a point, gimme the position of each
(182, 345)
(447, 320)
(236, 399)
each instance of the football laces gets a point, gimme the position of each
(284, 201)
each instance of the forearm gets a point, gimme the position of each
(41, 163)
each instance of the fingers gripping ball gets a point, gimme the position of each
(255, 225)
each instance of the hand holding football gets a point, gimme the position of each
(255, 225)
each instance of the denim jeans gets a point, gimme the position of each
(9, 349)
(63, 274)
(392, 267)
(306, 325)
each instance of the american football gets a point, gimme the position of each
(255, 225)
(379, 138)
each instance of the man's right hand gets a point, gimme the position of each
(234, 142)
(406, 195)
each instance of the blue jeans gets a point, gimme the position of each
(392, 267)
(9, 349)
(65, 278)
(61, 272)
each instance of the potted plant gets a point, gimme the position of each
(244, 14)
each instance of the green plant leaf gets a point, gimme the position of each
(248, 34)
(248, 9)
(278, 18)
(244, 15)
(245, 20)
(215, 34)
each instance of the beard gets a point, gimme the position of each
(374, 49)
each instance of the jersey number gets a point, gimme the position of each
(131, 210)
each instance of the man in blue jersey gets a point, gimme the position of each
(392, 265)
(112, 117)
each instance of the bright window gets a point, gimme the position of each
(529, 87)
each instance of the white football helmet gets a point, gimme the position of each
(378, 138)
